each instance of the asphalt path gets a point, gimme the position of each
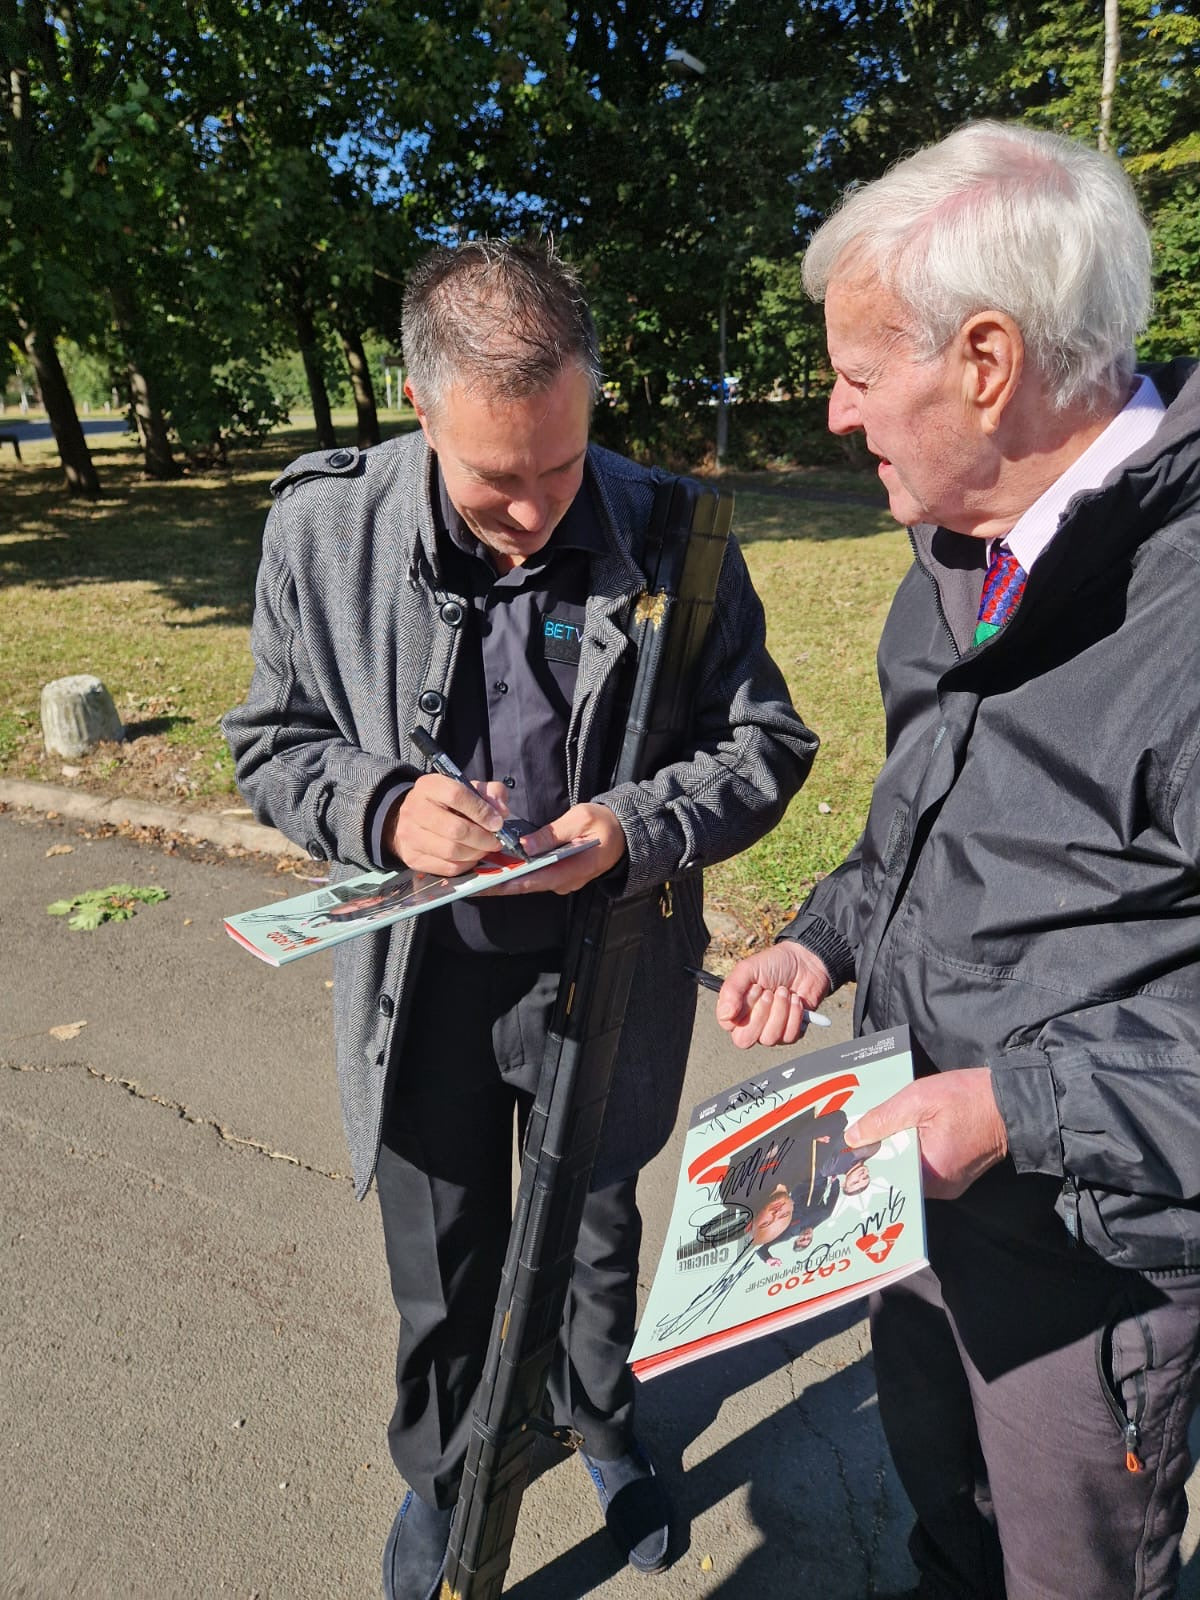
(196, 1337)
(25, 429)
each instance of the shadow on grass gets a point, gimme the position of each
(195, 540)
(155, 725)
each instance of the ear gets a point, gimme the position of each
(993, 360)
(422, 414)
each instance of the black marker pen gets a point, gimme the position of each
(507, 833)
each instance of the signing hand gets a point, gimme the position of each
(764, 998)
(440, 828)
(958, 1123)
(580, 822)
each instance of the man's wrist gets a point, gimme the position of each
(822, 941)
(379, 826)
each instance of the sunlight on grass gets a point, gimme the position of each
(826, 574)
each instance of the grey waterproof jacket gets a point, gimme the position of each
(356, 641)
(1027, 890)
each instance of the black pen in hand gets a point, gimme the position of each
(709, 980)
(508, 833)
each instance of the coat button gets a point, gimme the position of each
(431, 702)
(510, 783)
(386, 1005)
(452, 613)
(315, 849)
(340, 458)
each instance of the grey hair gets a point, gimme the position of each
(499, 317)
(1005, 218)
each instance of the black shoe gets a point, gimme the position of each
(415, 1552)
(637, 1513)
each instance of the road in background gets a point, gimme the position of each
(25, 429)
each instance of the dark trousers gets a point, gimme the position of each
(466, 1072)
(1006, 1378)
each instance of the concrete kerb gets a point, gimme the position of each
(205, 827)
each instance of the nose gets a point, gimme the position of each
(843, 408)
(528, 511)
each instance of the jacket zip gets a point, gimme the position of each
(1129, 1426)
(937, 595)
(1070, 1205)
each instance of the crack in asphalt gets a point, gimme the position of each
(225, 1134)
(846, 1481)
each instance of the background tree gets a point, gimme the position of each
(41, 291)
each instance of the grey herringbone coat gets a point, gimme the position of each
(355, 643)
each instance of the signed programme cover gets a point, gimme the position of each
(775, 1218)
(297, 927)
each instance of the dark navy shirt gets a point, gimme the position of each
(511, 701)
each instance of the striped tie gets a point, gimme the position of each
(1002, 591)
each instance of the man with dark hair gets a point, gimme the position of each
(475, 580)
(1026, 894)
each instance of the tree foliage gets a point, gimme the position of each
(193, 192)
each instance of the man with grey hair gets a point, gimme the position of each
(476, 581)
(1026, 892)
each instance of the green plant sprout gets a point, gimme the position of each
(114, 904)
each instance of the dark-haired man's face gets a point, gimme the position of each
(512, 467)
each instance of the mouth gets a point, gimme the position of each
(510, 532)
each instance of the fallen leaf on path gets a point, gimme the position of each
(707, 1564)
(61, 850)
(68, 1030)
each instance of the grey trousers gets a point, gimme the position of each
(1036, 1403)
(466, 1074)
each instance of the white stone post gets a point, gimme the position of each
(78, 713)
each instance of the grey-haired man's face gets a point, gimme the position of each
(914, 413)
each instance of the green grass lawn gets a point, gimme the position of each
(151, 588)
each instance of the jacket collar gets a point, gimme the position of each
(1099, 528)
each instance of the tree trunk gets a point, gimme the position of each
(306, 337)
(1108, 84)
(722, 449)
(151, 424)
(364, 389)
(78, 468)
(152, 427)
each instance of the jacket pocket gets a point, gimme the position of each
(1124, 1358)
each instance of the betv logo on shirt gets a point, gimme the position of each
(562, 638)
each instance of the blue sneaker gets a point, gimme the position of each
(636, 1511)
(415, 1552)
